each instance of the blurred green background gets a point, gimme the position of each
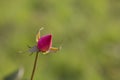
(88, 29)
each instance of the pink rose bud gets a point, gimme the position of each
(44, 43)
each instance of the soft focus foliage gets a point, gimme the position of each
(88, 31)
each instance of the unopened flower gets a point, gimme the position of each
(44, 44)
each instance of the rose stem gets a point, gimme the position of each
(34, 67)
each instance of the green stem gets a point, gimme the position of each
(34, 67)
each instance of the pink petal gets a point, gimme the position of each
(44, 43)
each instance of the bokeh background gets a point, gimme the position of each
(88, 30)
